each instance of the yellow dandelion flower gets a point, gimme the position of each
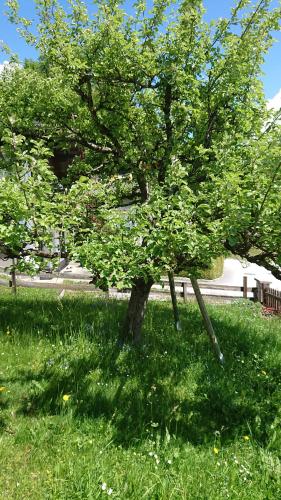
(66, 397)
(246, 438)
(215, 450)
(263, 372)
(2, 388)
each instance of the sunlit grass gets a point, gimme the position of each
(81, 419)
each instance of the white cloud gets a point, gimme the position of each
(275, 102)
(3, 65)
(11, 66)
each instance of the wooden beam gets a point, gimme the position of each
(174, 300)
(245, 287)
(207, 321)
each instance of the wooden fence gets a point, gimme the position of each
(262, 292)
(273, 299)
(268, 296)
(183, 287)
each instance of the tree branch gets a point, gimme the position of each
(169, 133)
(275, 173)
(88, 144)
(247, 27)
(87, 98)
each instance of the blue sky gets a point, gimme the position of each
(215, 9)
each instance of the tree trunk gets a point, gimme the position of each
(13, 281)
(135, 312)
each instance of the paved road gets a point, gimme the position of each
(234, 270)
(233, 273)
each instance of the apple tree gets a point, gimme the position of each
(178, 159)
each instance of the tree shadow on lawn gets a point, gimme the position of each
(172, 383)
(44, 316)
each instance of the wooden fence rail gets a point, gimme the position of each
(268, 296)
(183, 287)
(272, 299)
(262, 293)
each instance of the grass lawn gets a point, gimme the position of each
(80, 419)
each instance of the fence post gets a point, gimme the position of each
(258, 283)
(262, 287)
(265, 288)
(245, 287)
(279, 301)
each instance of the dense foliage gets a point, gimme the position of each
(173, 156)
(27, 213)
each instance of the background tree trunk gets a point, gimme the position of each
(13, 280)
(135, 312)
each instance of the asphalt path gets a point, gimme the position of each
(234, 270)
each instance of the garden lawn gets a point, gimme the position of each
(80, 419)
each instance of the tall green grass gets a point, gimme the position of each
(81, 419)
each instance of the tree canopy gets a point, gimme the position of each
(176, 157)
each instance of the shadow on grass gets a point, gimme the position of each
(170, 385)
(44, 315)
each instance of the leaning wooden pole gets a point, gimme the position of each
(174, 300)
(207, 321)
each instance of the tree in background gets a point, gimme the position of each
(27, 212)
(169, 117)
